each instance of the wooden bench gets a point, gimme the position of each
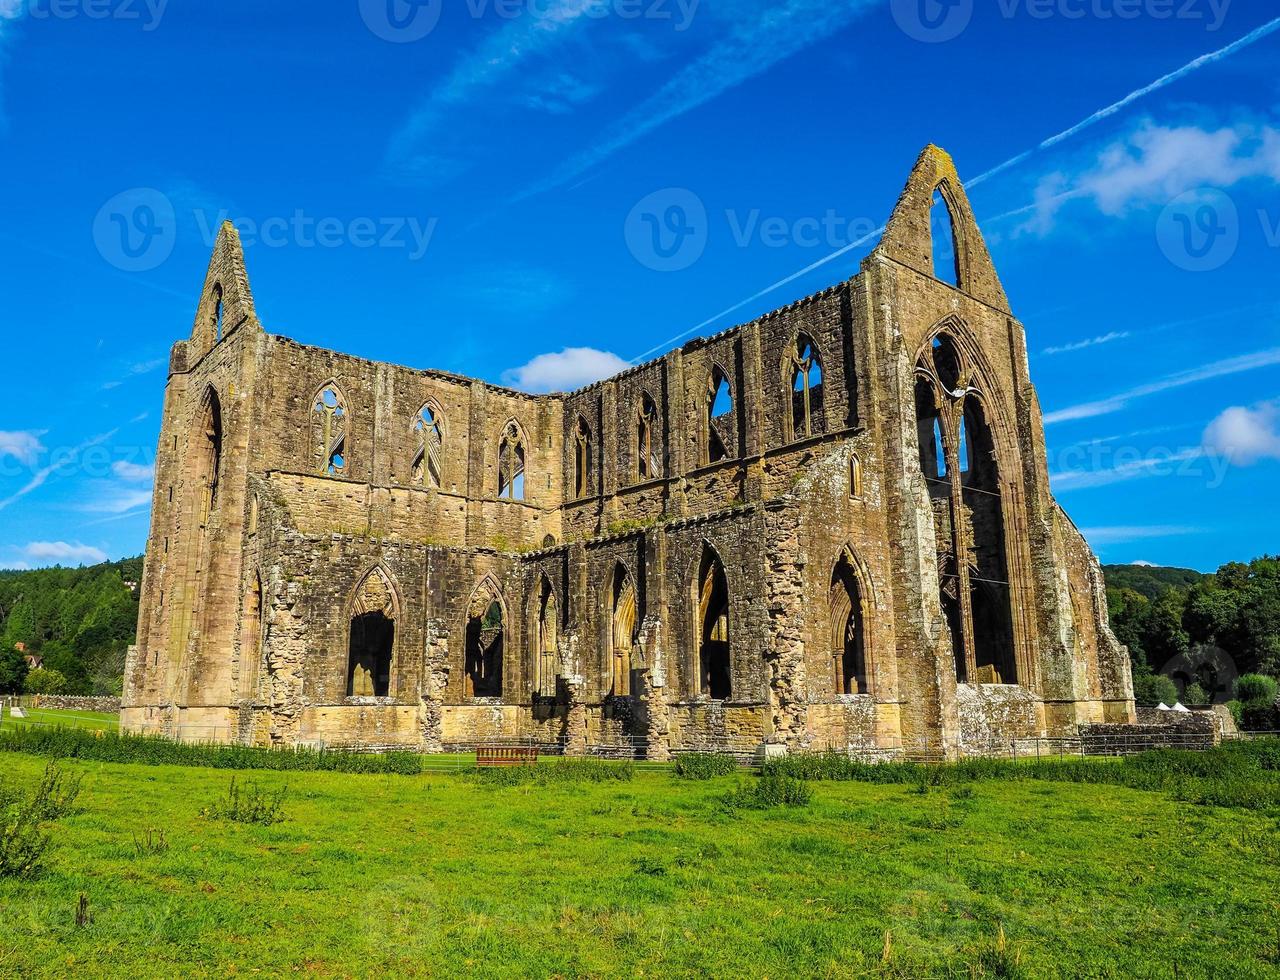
(506, 755)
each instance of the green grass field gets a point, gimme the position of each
(442, 875)
(92, 720)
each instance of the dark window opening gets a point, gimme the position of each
(217, 314)
(719, 418)
(626, 628)
(648, 466)
(715, 677)
(369, 656)
(427, 461)
(848, 639)
(973, 568)
(581, 459)
(485, 636)
(209, 462)
(548, 640)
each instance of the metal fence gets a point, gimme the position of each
(460, 755)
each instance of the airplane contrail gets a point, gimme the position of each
(1165, 80)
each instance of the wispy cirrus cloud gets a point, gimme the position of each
(497, 61)
(1105, 338)
(135, 370)
(1123, 534)
(46, 552)
(759, 37)
(62, 462)
(24, 446)
(134, 472)
(1121, 400)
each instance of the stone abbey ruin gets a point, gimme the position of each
(828, 528)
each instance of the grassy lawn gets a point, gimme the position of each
(92, 720)
(441, 875)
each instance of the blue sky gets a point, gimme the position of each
(466, 184)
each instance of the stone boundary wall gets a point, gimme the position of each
(1194, 731)
(61, 702)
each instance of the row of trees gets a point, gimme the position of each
(1164, 614)
(78, 621)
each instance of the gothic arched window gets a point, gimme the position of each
(428, 427)
(329, 430)
(808, 413)
(511, 464)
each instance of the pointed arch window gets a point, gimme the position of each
(718, 418)
(428, 428)
(808, 413)
(251, 636)
(485, 642)
(511, 464)
(330, 424)
(959, 462)
(581, 459)
(548, 640)
(945, 241)
(625, 632)
(848, 637)
(371, 643)
(217, 313)
(715, 677)
(648, 464)
(209, 456)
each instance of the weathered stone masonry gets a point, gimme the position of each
(829, 527)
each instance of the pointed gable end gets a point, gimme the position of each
(226, 302)
(909, 235)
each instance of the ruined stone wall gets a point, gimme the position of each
(247, 610)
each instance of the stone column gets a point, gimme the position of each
(575, 722)
(653, 706)
(435, 680)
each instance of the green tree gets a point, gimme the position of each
(1150, 689)
(13, 671)
(45, 680)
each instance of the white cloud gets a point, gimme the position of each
(134, 472)
(1105, 338)
(1155, 163)
(25, 447)
(64, 551)
(1144, 564)
(1246, 435)
(1118, 402)
(571, 368)
(1119, 535)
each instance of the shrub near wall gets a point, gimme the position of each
(74, 743)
